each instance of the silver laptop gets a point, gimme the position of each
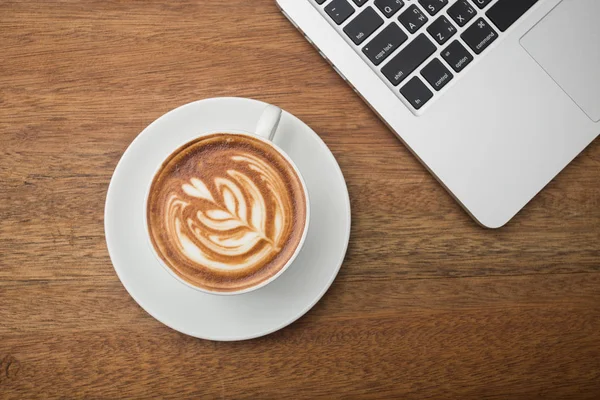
(494, 97)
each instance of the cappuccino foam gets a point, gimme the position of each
(226, 212)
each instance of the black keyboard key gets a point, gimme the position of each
(408, 59)
(441, 30)
(506, 12)
(457, 56)
(320, 1)
(339, 11)
(433, 6)
(412, 19)
(437, 74)
(389, 7)
(385, 43)
(416, 93)
(479, 36)
(481, 3)
(461, 12)
(363, 26)
(360, 2)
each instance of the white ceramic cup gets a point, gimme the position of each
(265, 131)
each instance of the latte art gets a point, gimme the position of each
(229, 233)
(226, 212)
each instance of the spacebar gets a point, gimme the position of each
(505, 12)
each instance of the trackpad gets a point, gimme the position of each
(566, 44)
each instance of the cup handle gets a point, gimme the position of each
(268, 122)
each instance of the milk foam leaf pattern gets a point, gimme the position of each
(218, 214)
(198, 189)
(221, 224)
(232, 197)
(233, 221)
(258, 202)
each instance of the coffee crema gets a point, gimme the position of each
(226, 212)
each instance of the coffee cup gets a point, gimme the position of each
(228, 212)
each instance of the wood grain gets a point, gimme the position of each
(427, 304)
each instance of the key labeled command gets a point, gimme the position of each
(479, 36)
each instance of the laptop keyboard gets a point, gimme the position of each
(419, 46)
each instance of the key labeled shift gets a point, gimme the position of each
(408, 59)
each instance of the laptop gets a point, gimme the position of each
(494, 97)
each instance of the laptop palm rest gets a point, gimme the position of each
(566, 45)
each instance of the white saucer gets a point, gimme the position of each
(248, 315)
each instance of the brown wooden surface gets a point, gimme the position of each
(427, 304)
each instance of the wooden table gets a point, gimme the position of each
(427, 304)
